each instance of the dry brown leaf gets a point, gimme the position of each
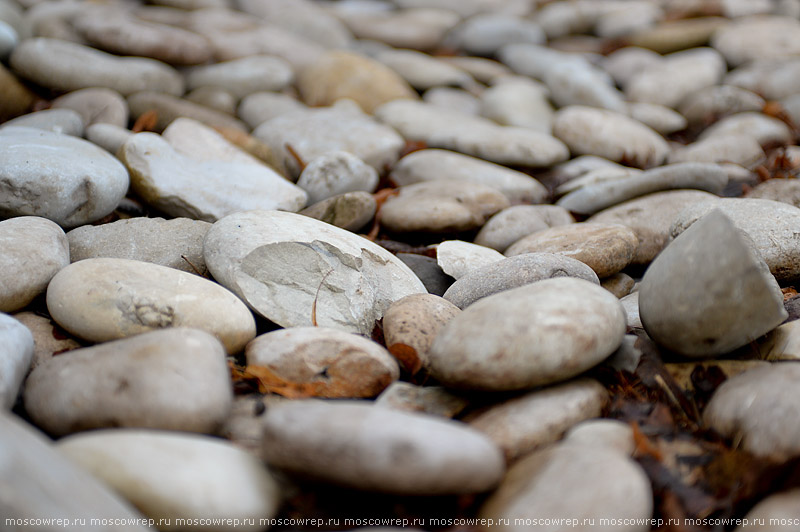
(270, 382)
(407, 357)
(146, 122)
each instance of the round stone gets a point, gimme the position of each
(96, 106)
(106, 299)
(350, 211)
(335, 173)
(457, 258)
(537, 334)
(513, 223)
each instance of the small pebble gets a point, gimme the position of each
(457, 258)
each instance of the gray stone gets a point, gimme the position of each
(241, 39)
(213, 98)
(730, 148)
(16, 355)
(281, 263)
(420, 28)
(169, 108)
(34, 250)
(754, 408)
(659, 118)
(305, 18)
(769, 224)
(429, 272)
(175, 379)
(203, 190)
(753, 38)
(484, 34)
(176, 243)
(203, 143)
(576, 83)
(454, 99)
(507, 341)
(108, 136)
(606, 433)
(764, 129)
(608, 134)
(423, 71)
(105, 299)
(709, 292)
(149, 468)
(333, 363)
(433, 165)
(433, 400)
(373, 448)
(242, 77)
(712, 103)
(531, 421)
(630, 304)
(651, 217)
(627, 62)
(518, 101)
(38, 483)
(471, 135)
(257, 108)
(514, 272)
(783, 190)
(482, 69)
(513, 223)
(72, 182)
(96, 106)
(596, 177)
(701, 176)
(770, 78)
(67, 66)
(351, 210)
(336, 172)
(457, 258)
(605, 248)
(535, 61)
(65, 121)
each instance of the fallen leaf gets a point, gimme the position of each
(269, 382)
(146, 122)
(407, 356)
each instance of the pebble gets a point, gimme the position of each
(778, 510)
(454, 99)
(304, 18)
(281, 263)
(63, 121)
(105, 299)
(183, 186)
(175, 243)
(519, 102)
(783, 343)
(484, 34)
(650, 218)
(419, 28)
(595, 177)
(605, 248)
(213, 98)
(441, 206)
(423, 71)
(608, 134)
(203, 143)
(432, 400)
(751, 408)
(471, 135)
(48, 338)
(531, 421)
(710, 104)
(30, 465)
(457, 258)
(247, 38)
(523, 348)
(752, 38)
(371, 448)
(428, 271)
(350, 211)
(16, 355)
(772, 79)
(169, 108)
(675, 35)
(17, 98)
(242, 77)
(34, 250)
(553, 482)
(764, 129)
(575, 83)
(677, 75)
(769, 224)
(709, 292)
(339, 74)
(627, 62)
(513, 272)
(333, 363)
(68, 66)
(150, 470)
(108, 136)
(619, 284)
(342, 127)
(59, 186)
(175, 379)
(783, 190)
(336, 172)
(482, 69)
(257, 108)
(660, 119)
(691, 175)
(603, 433)
(738, 149)
(433, 164)
(513, 223)
(96, 106)
(630, 304)
(413, 322)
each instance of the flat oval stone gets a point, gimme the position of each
(752, 407)
(758, 37)
(414, 321)
(34, 250)
(433, 400)
(433, 164)
(175, 379)
(169, 108)
(68, 66)
(335, 363)
(625, 63)
(204, 143)
(96, 106)
(59, 177)
(779, 510)
(16, 355)
(513, 272)
(709, 292)
(281, 263)
(351, 210)
(578, 83)
(513, 223)
(764, 129)
(371, 448)
(730, 148)
(650, 218)
(457, 258)
(257, 108)
(537, 334)
(176, 243)
(518, 101)
(213, 98)
(148, 468)
(593, 198)
(336, 172)
(65, 121)
(659, 118)
(783, 190)
(106, 299)
(553, 482)
(486, 33)
(183, 186)
(769, 224)
(608, 134)
(423, 71)
(441, 206)
(718, 101)
(676, 35)
(244, 76)
(454, 99)
(108, 136)
(606, 248)
(526, 423)
(769, 78)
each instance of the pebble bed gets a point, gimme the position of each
(261, 255)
